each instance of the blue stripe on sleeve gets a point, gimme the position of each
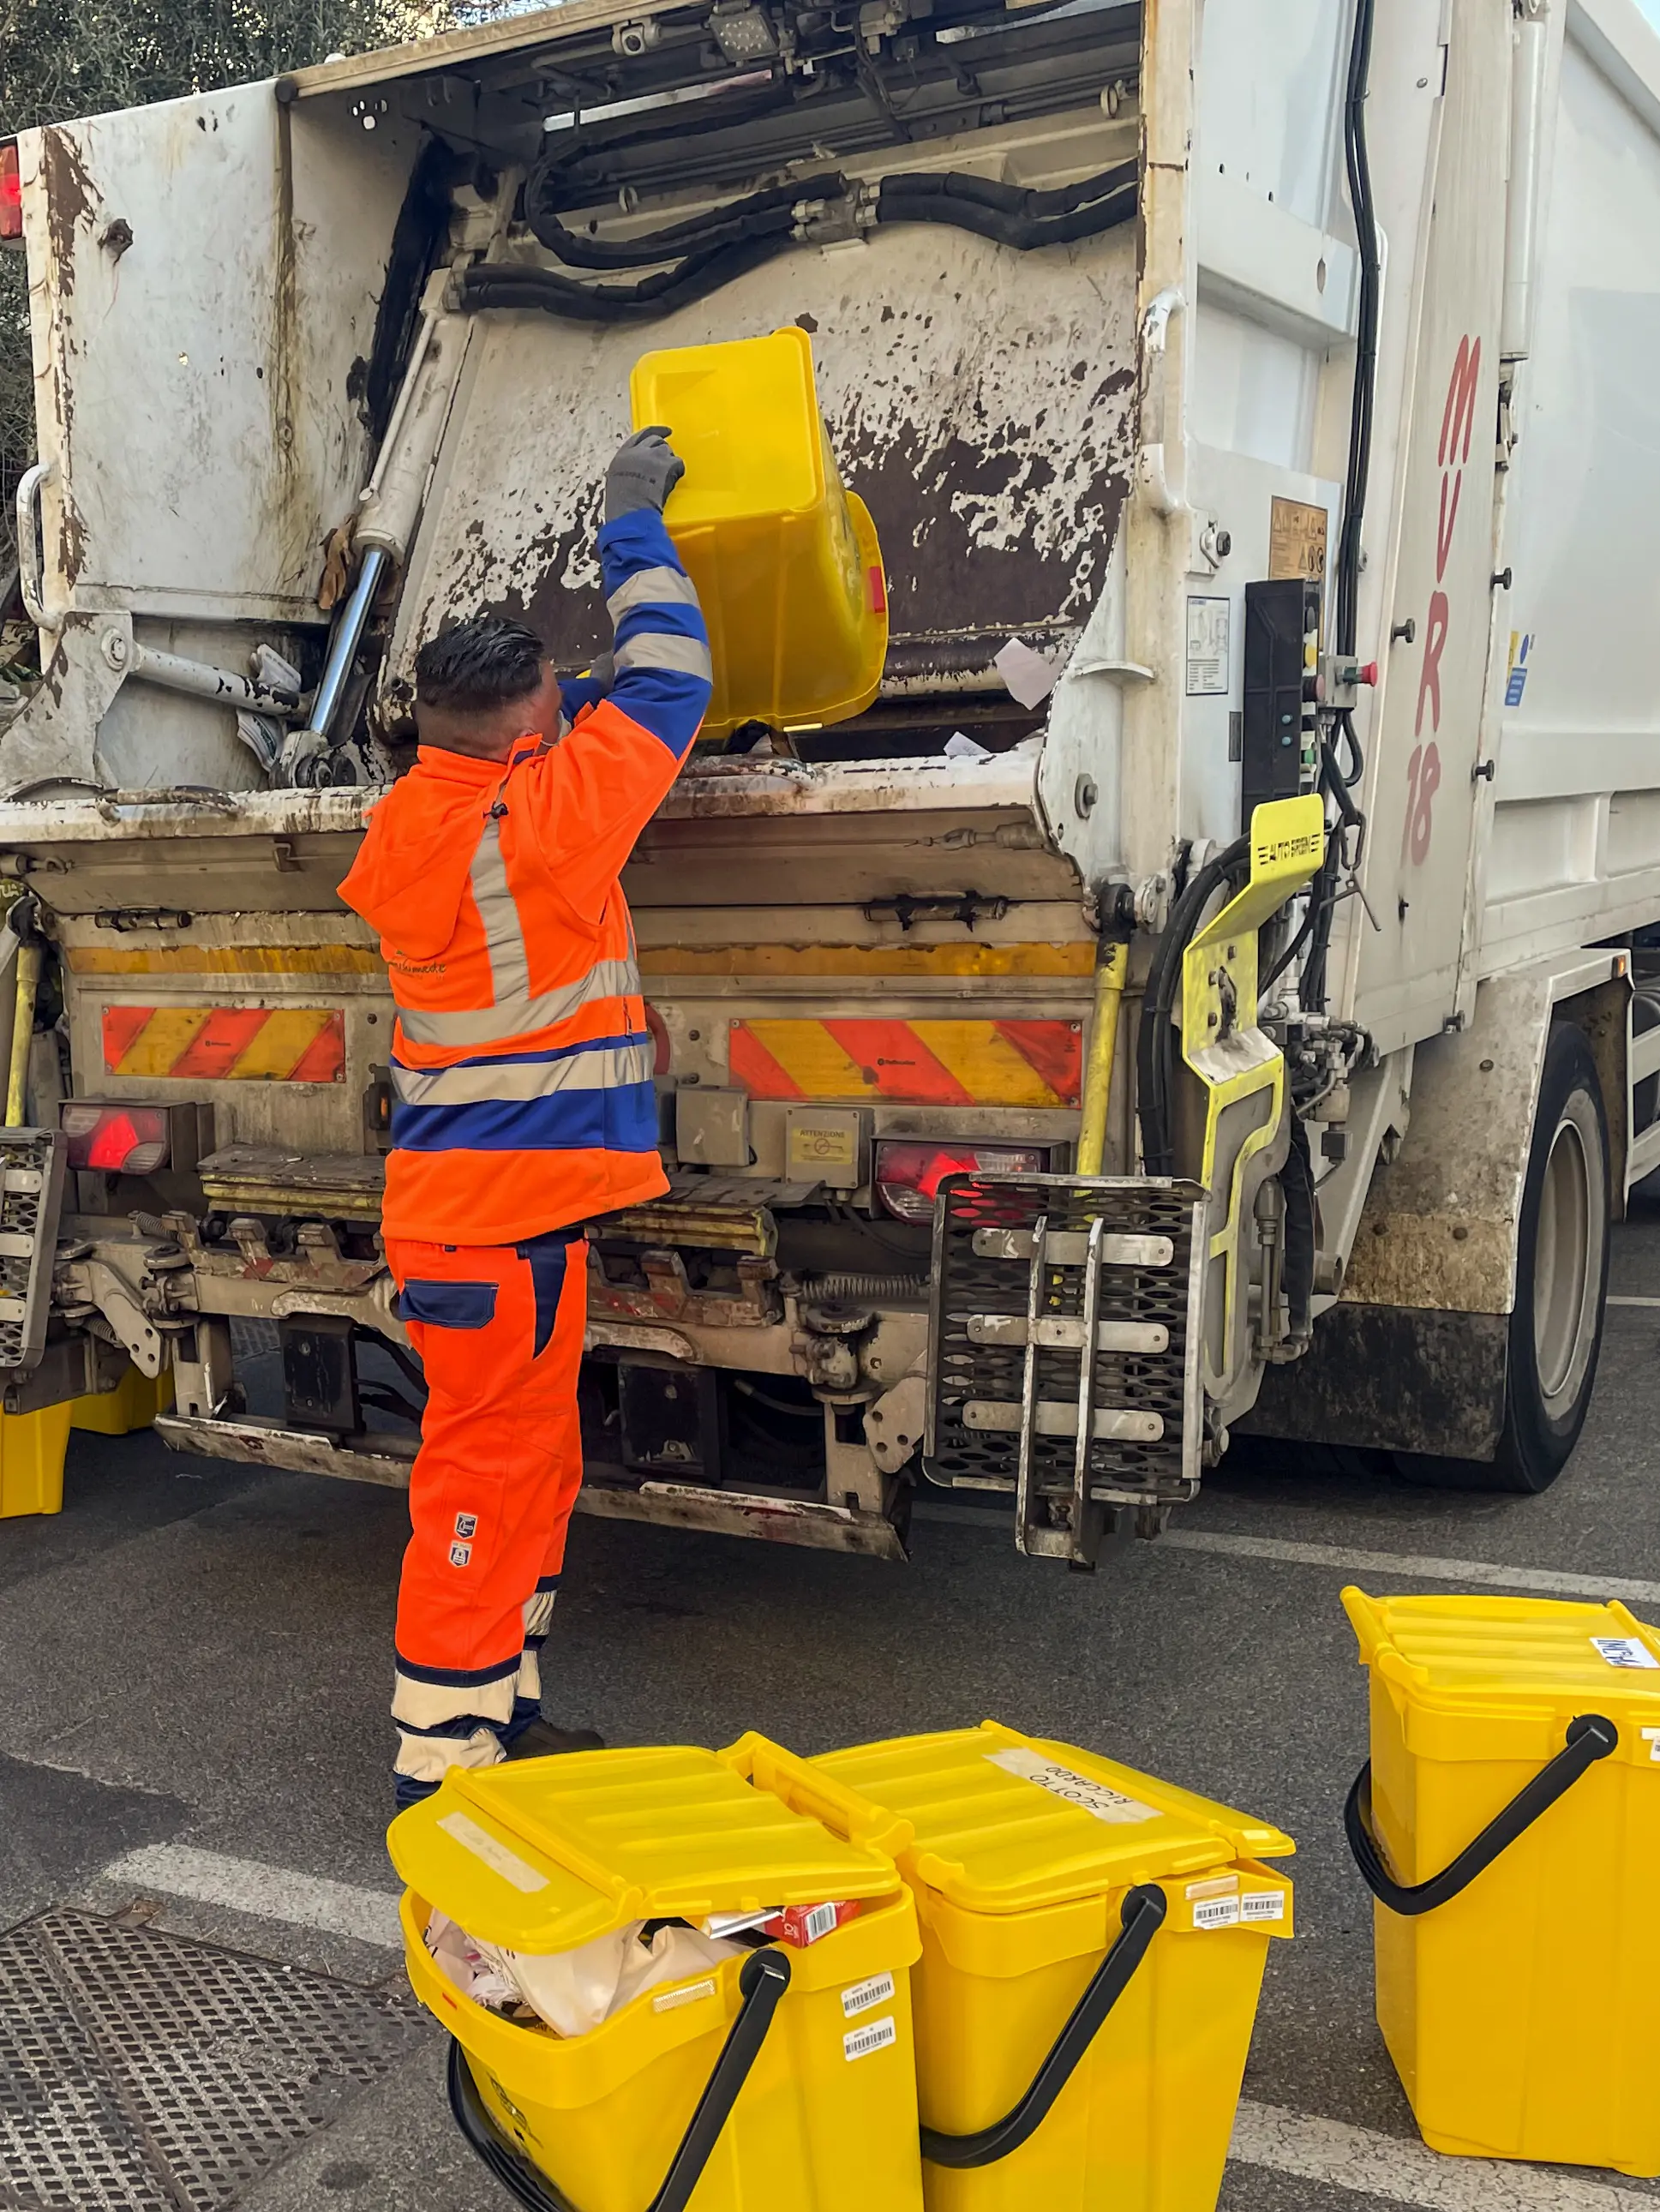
(663, 620)
(633, 542)
(665, 701)
(624, 1120)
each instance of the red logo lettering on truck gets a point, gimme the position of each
(1457, 433)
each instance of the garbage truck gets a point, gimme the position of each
(1202, 994)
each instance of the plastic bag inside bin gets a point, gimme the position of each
(574, 1991)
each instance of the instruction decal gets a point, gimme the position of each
(876, 2035)
(1625, 1651)
(1210, 637)
(1096, 1798)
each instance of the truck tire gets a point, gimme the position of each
(1561, 1282)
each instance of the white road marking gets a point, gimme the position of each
(1407, 2172)
(1411, 1566)
(268, 1892)
(1613, 1301)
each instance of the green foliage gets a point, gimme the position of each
(67, 58)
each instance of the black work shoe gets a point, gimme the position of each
(541, 1740)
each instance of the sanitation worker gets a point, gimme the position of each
(523, 1101)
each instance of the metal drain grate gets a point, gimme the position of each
(139, 2073)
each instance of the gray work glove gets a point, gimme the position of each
(643, 474)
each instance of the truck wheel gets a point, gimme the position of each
(1561, 1281)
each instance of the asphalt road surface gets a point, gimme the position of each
(194, 1664)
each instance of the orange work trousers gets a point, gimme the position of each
(498, 1328)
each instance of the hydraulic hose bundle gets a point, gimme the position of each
(688, 260)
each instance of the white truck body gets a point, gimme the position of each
(1103, 448)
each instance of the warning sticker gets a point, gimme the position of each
(1216, 1912)
(876, 2035)
(1096, 1798)
(1625, 1651)
(689, 1993)
(1264, 1904)
(1297, 540)
(1210, 631)
(863, 1995)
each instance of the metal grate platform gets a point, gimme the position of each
(140, 2073)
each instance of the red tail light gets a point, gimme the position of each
(119, 1139)
(908, 1176)
(11, 194)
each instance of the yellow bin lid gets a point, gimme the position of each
(1464, 1656)
(1000, 1822)
(546, 1854)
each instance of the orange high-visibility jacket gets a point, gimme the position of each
(521, 1063)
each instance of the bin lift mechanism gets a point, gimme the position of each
(1080, 1322)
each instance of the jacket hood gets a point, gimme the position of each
(410, 874)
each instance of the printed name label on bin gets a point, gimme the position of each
(1625, 1651)
(496, 1856)
(863, 1995)
(1096, 1798)
(876, 2035)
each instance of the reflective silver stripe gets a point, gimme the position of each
(608, 1068)
(428, 1758)
(652, 587)
(504, 940)
(522, 1016)
(687, 656)
(430, 1704)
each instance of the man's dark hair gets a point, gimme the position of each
(474, 666)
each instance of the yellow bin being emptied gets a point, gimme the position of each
(1508, 1823)
(1093, 1944)
(786, 562)
(810, 2048)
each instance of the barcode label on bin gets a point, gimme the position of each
(863, 1995)
(1625, 1651)
(1265, 1905)
(1216, 1912)
(1651, 1737)
(876, 2035)
(1096, 1798)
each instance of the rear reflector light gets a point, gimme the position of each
(119, 1140)
(908, 1176)
(11, 194)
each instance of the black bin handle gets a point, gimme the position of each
(1143, 1914)
(1589, 1738)
(762, 1981)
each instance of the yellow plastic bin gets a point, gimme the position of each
(786, 562)
(783, 2081)
(1508, 1823)
(32, 1449)
(134, 1403)
(1093, 1944)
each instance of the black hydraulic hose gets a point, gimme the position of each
(727, 243)
(505, 284)
(760, 213)
(1323, 895)
(1296, 1181)
(1154, 1045)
